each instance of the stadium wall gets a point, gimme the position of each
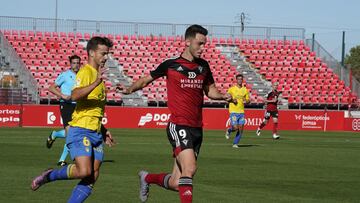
(214, 119)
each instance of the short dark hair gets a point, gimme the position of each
(193, 30)
(239, 75)
(74, 57)
(95, 41)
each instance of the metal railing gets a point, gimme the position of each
(25, 80)
(168, 29)
(343, 72)
(142, 28)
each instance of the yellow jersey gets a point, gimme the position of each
(89, 110)
(241, 94)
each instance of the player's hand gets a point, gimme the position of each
(65, 97)
(234, 100)
(102, 72)
(227, 97)
(109, 141)
(123, 89)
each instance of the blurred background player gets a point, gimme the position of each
(237, 109)
(65, 81)
(271, 111)
(188, 78)
(86, 133)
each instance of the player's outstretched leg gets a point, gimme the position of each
(275, 135)
(185, 189)
(81, 192)
(227, 133)
(40, 180)
(258, 132)
(64, 154)
(237, 139)
(144, 186)
(52, 137)
(63, 173)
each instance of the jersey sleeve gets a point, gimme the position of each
(209, 76)
(82, 78)
(247, 95)
(267, 95)
(60, 79)
(161, 70)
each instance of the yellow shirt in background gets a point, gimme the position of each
(241, 95)
(90, 110)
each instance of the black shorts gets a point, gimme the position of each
(184, 137)
(274, 114)
(66, 110)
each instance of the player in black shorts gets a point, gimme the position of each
(271, 111)
(188, 77)
(65, 81)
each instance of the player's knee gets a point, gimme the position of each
(174, 183)
(235, 128)
(265, 121)
(189, 170)
(84, 172)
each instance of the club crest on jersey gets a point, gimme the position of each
(200, 69)
(191, 75)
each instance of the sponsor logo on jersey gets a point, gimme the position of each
(191, 75)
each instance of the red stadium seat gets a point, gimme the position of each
(289, 62)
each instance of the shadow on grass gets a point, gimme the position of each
(109, 161)
(248, 145)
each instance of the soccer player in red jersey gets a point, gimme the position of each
(188, 78)
(271, 111)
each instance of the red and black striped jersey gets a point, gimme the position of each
(185, 81)
(272, 106)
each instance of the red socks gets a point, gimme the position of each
(275, 128)
(262, 125)
(185, 189)
(156, 179)
(185, 185)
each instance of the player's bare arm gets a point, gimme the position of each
(213, 93)
(139, 84)
(53, 89)
(82, 92)
(107, 136)
(272, 100)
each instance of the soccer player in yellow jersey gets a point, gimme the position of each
(86, 133)
(236, 109)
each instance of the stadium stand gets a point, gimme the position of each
(17, 86)
(303, 78)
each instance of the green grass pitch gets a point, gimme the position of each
(300, 167)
